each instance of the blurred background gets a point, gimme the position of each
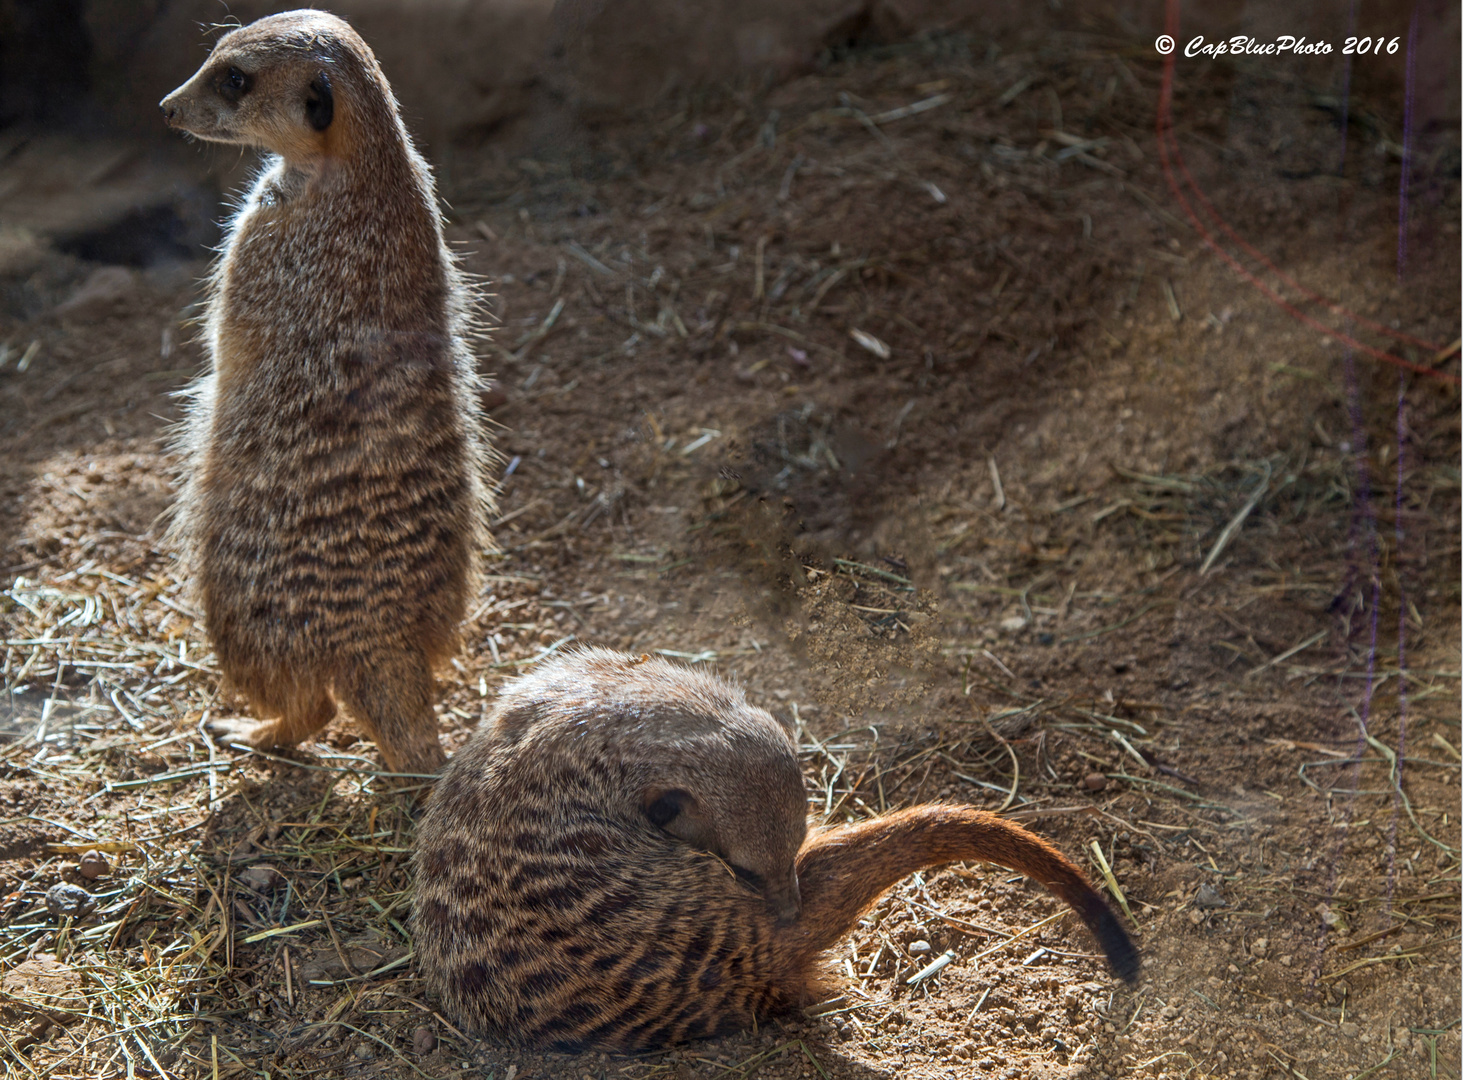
(502, 78)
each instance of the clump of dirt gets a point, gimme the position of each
(907, 394)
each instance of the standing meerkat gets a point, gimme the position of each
(334, 506)
(618, 859)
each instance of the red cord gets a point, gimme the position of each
(1331, 305)
(1164, 133)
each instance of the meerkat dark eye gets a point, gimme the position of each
(666, 808)
(234, 84)
(320, 103)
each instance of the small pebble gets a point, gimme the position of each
(262, 878)
(919, 946)
(1209, 897)
(423, 1040)
(1094, 781)
(94, 865)
(363, 1052)
(64, 899)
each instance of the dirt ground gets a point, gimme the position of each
(908, 394)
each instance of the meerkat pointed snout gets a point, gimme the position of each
(333, 508)
(618, 859)
(268, 85)
(744, 802)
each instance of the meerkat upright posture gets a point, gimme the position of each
(619, 859)
(334, 504)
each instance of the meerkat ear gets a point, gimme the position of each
(679, 813)
(320, 103)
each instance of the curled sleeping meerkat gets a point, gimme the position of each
(334, 506)
(618, 859)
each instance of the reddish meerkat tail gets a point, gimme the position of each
(842, 871)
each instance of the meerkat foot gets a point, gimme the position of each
(391, 697)
(260, 734)
(298, 723)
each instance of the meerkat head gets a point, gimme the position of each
(701, 764)
(277, 84)
(744, 803)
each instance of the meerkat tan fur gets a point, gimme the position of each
(334, 505)
(619, 859)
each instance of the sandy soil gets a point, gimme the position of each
(941, 430)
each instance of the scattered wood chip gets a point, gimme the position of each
(871, 343)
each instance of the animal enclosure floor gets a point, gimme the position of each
(907, 394)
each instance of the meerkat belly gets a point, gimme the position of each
(333, 514)
(592, 937)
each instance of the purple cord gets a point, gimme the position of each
(1397, 524)
(1401, 646)
(1406, 149)
(1368, 516)
(1346, 91)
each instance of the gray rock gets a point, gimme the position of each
(63, 899)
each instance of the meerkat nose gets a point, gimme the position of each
(785, 906)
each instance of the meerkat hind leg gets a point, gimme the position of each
(391, 697)
(297, 722)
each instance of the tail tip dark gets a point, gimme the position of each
(1122, 954)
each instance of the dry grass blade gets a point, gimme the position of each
(1314, 639)
(1395, 779)
(811, 1059)
(1237, 521)
(1015, 764)
(1019, 935)
(939, 963)
(1368, 962)
(1112, 881)
(864, 568)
